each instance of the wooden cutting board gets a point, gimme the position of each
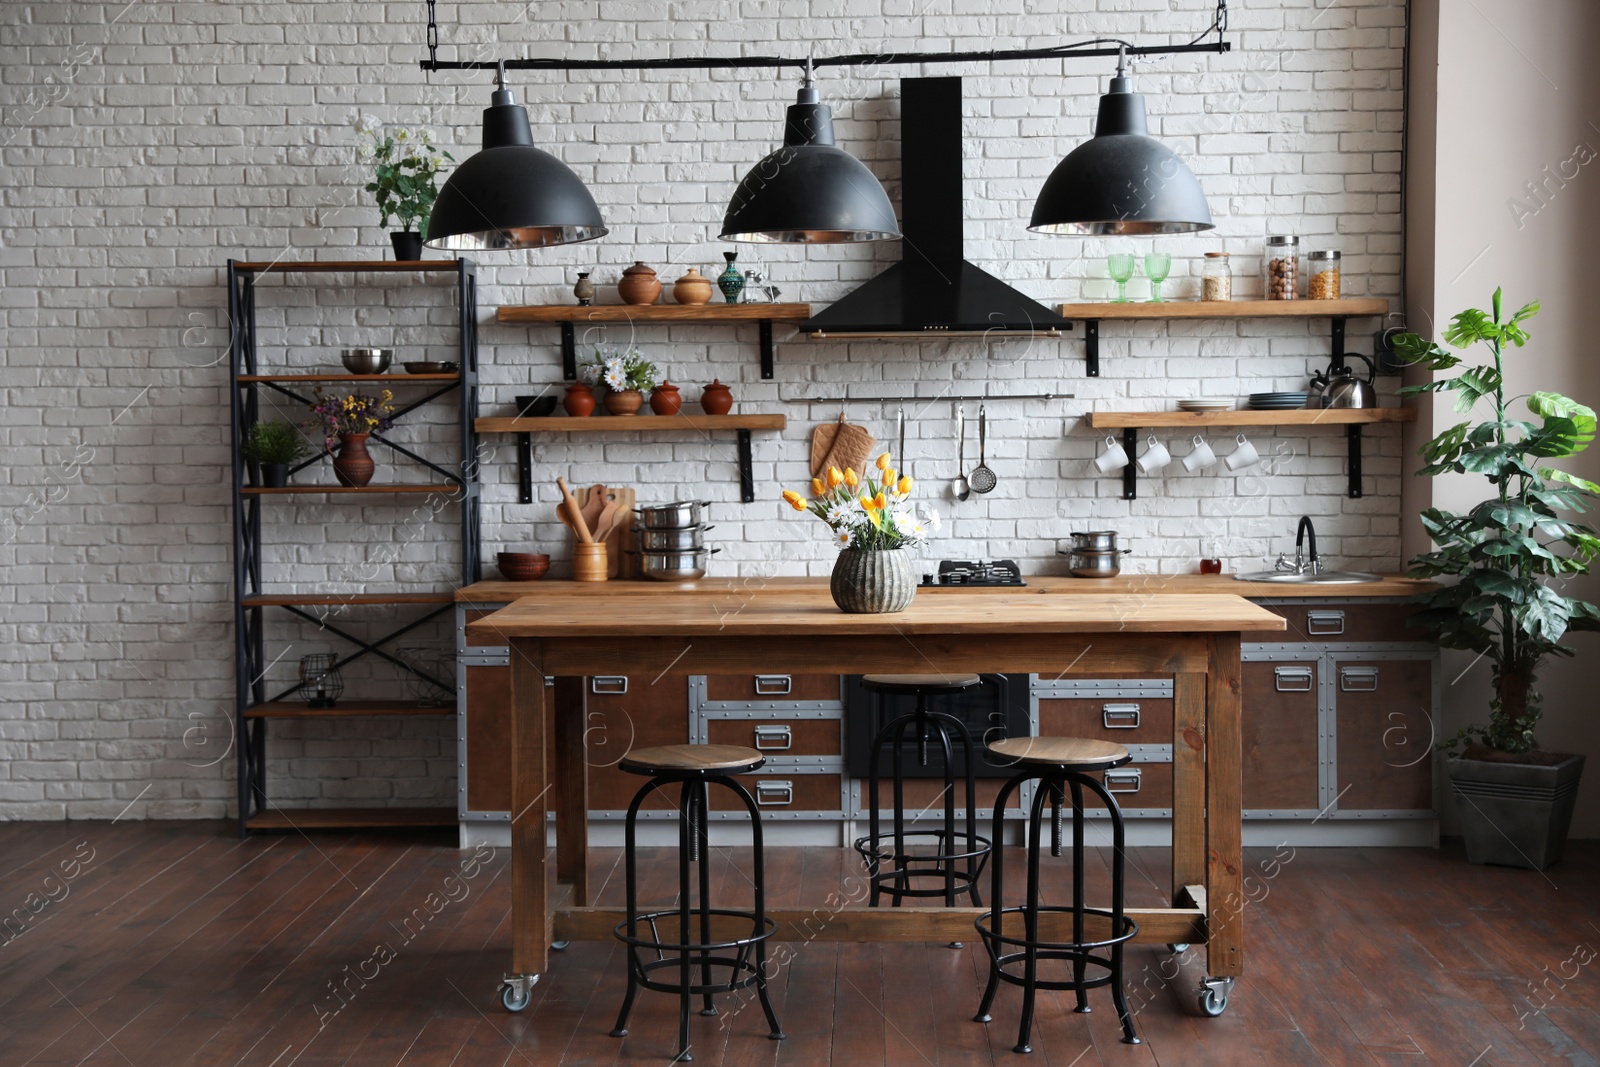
(619, 563)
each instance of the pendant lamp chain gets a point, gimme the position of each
(433, 35)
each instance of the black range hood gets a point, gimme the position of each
(933, 290)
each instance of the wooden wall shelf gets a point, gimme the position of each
(1352, 419)
(570, 316)
(306, 600)
(292, 490)
(345, 709)
(1337, 310)
(741, 425)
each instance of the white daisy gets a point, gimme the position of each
(364, 123)
(589, 374)
(844, 538)
(844, 514)
(905, 523)
(616, 379)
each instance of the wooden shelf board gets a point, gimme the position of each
(331, 266)
(291, 490)
(680, 313)
(452, 376)
(1228, 309)
(284, 600)
(632, 423)
(349, 818)
(1110, 420)
(346, 709)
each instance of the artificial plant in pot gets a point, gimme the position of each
(1503, 561)
(405, 180)
(276, 446)
(874, 525)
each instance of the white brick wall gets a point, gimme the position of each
(144, 144)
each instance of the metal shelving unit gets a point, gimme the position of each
(458, 479)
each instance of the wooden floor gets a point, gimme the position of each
(175, 945)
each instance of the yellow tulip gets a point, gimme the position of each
(905, 485)
(835, 478)
(817, 488)
(879, 502)
(866, 502)
(889, 476)
(794, 499)
(851, 478)
(883, 462)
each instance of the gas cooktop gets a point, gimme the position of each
(976, 572)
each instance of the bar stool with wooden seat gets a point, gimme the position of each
(957, 856)
(743, 956)
(1057, 764)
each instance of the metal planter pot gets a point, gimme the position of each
(1515, 814)
(873, 581)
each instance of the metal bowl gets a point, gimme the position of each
(676, 566)
(675, 516)
(1095, 541)
(1095, 564)
(366, 360)
(683, 539)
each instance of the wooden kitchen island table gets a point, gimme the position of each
(793, 626)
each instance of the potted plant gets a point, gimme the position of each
(874, 524)
(347, 421)
(406, 167)
(626, 375)
(1507, 556)
(276, 446)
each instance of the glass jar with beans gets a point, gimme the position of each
(1280, 268)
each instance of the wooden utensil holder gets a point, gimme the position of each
(589, 562)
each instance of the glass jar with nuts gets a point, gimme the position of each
(1280, 268)
(1322, 275)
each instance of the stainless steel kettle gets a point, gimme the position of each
(1340, 388)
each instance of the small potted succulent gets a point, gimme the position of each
(347, 421)
(874, 524)
(625, 374)
(1505, 560)
(405, 180)
(275, 446)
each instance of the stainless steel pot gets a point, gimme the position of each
(674, 516)
(366, 360)
(1095, 541)
(676, 566)
(1106, 564)
(672, 539)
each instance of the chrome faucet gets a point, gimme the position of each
(1306, 560)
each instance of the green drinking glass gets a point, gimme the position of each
(1157, 265)
(1120, 269)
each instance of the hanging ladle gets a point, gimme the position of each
(961, 489)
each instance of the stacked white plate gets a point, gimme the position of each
(1205, 405)
(1277, 401)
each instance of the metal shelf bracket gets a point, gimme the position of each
(747, 479)
(1091, 348)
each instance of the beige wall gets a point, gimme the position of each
(1506, 93)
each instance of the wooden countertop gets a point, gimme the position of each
(568, 611)
(502, 592)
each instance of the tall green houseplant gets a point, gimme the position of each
(1509, 554)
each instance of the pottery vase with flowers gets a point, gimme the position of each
(347, 422)
(354, 465)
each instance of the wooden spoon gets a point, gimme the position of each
(608, 518)
(593, 506)
(574, 513)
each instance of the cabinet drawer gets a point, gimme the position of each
(785, 737)
(783, 790)
(772, 688)
(1342, 622)
(1136, 787)
(1126, 720)
(623, 714)
(1384, 734)
(1279, 726)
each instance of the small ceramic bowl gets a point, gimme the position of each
(522, 566)
(537, 406)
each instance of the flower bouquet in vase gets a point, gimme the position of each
(347, 421)
(875, 525)
(626, 376)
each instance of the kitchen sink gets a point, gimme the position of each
(1324, 578)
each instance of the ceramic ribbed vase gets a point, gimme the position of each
(873, 581)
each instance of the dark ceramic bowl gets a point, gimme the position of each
(522, 566)
(537, 406)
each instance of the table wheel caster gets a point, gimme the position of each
(1213, 999)
(516, 991)
(560, 946)
(1178, 947)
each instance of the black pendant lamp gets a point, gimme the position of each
(808, 191)
(511, 194)
(1122, 180)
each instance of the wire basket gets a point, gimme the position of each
(428, 675)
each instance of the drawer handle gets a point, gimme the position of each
(773, 738)
(1120, 716)
(1292, 679)
(773, 685)
(608, 684)
(774, 794)
(1358, 679)
(1324, 623)
(1125, 780)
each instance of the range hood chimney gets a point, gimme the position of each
(933, 291)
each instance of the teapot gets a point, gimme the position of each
(1338, 386)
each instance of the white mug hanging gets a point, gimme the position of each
(1113, 457)
(1242, 456)
(1200, 457)
(1155, 456)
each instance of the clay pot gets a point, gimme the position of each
(692, 288)
(716, 399)
(639, 285)
(354, 465)
(579, 401)
(665, 398)
(624, 402)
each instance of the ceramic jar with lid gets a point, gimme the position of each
(1280, 268)
(1216, 278)
(584, 290)
(639, 285)
(665, 399)
(1322, 275)
(716, 399)
(693, 288)
(579, 401)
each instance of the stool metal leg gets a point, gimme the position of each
(900, 881)
(1031, 924)
(1079, 964)
(997, 875)
(974, 864)
(1119, 996)
(630, 866)
(703, 851)
(688, 840)
(759, 866)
